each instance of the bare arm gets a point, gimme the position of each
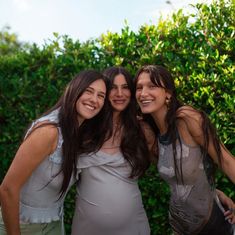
(30, 154)
(150, 139)
(228, 162)
(194, 125)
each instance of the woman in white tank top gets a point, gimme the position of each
(33, 190)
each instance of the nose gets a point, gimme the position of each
(143, 91)
(94, 98)
(119, 91)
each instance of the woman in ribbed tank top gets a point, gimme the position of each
(188, 149)
(33, 190)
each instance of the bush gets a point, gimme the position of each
(197, 48)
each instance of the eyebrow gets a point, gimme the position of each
(93, 89)
(101, 92)
(148, 82)
(125, 84)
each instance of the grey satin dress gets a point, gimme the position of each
(108, 202)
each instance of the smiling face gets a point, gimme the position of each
(91, 101)
(120, 94)
(150, 97)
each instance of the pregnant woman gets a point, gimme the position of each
(108, 197)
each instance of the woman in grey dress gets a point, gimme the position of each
(188, 147)
(108, 197)
(33, 190)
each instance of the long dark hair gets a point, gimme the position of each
(133, 143)
(161, 77)
(77, 138)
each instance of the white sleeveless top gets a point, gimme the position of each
(39, 199)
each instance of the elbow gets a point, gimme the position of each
(1, 193)
(7, 193)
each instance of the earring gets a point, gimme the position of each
(168, 101)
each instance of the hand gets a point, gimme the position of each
(230, 215)
(229, 206)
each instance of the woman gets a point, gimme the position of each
(33, 190)
(108, 197)
(187, 146)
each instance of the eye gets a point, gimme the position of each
(138, 87)
(114, 87)
(126, 87)
(152, 86)
(89, 90)
(102, 96)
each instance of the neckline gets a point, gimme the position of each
(164, 138)
(109, 154)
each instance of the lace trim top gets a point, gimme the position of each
(39, 199)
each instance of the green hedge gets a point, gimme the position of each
(199, 50)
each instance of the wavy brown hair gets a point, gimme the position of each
(77, 139)
(161, 77)
(133, 143)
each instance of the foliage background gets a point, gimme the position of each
(198, 48)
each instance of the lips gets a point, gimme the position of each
(119, 101)
(89, 106)
(145, 102)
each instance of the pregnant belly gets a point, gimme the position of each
(109, 205)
